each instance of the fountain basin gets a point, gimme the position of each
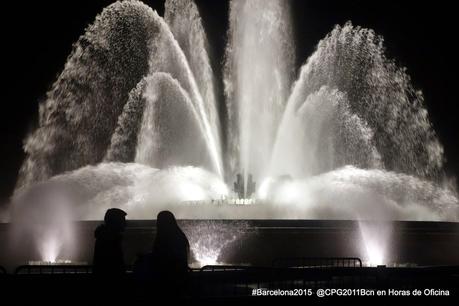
(259, 242)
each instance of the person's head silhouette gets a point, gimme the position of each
(165, 222)
(115, 218)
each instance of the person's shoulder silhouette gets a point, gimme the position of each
(167, 264)
(108, 252)
(168, 261)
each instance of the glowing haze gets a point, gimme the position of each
(132, 122)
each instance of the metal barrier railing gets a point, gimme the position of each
(317, 262)
(317, 272)
(224, 268)
(221, 281)
(53, 269)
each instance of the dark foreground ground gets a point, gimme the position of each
(344, 280)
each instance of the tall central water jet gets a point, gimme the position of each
(258, 72)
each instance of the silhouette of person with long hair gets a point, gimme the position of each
(108, 251)
(167, 265)
(171, 247)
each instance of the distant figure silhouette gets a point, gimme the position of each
(108, 252)
(167, 265)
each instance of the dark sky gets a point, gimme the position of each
(37, 38)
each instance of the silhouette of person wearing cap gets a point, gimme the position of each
(108, 251)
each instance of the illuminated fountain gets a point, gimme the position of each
(133, 122)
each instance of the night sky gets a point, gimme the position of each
(37, 37)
